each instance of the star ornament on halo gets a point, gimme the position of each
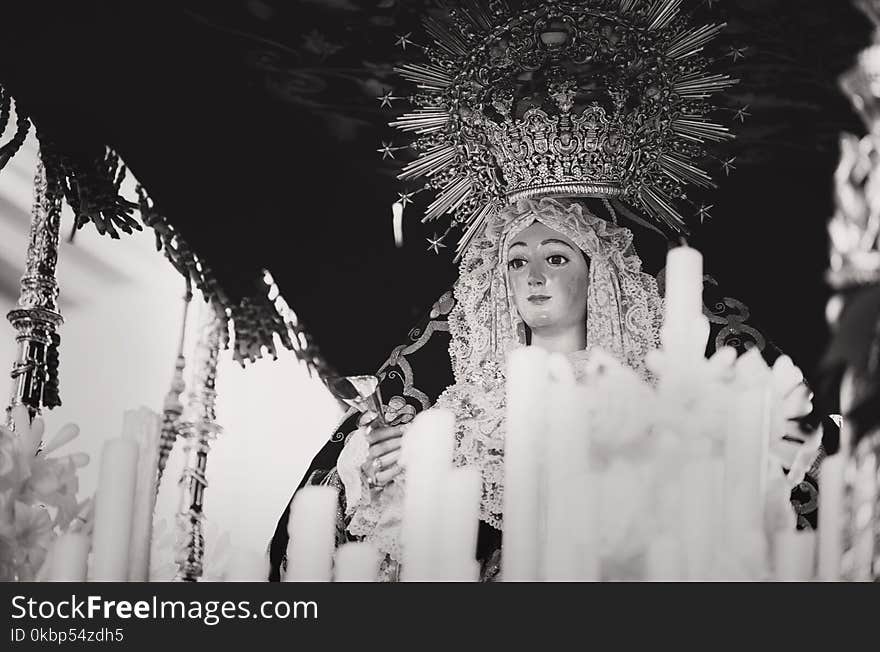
(703, 212)
(385, 100)
(728, 165)
(406, 197)
(403, 40)
(387, 150)
(742, 114)
(737, 53)
(436, 243)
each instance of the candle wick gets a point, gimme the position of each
(683, 241)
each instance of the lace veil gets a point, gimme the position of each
(623, 304)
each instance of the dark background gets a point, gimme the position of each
(254, 125)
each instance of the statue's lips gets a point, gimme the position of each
(539, 299)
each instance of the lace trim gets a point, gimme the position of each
(479, 441)
(379, 516)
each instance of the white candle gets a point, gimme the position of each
(247, 565)
(746, 453)
(525, 424)
(684, 283)
(357, 562)
(143, 427)
(470, 571)
(864, 517)
(830, 525)
(114, 510)
(794, 555)
(70, 555)
(567, 454)
(685, 329)
(429, 440)
(663, 560)
(699, 509)
(312, 531)
(461, 520)
(427, 458)
(584, 511)
(397, 222)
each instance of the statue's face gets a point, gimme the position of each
(549, 277)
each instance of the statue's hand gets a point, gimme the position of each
(381, 465)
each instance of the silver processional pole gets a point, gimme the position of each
(198, 432)
(36, 317)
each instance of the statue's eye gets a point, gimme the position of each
(557, 259)
(516, 263)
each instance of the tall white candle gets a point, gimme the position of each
(684, 283)
(247, 565)
(427, 457)
(746, 453)
(664, 560)
(833, 502)
(397, 222)
(567, 457)
(700, 509)
(525, 424)
(312, 530)
(794, 555)
(685, 329)
(461, 520)
(114, 502)
(864, 516)
(831, 508)
(584, 511)
(357, 562)
(143, 427)
(70, 554)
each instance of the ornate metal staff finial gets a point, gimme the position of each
(199, 432)
(35, 316)
(172, 408)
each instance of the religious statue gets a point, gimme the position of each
(542, 126)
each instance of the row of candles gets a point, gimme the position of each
(551, 504)
(550, 499)
(726, 497)
(114, 545)
(440, 521)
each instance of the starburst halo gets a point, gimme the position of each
(617, 104)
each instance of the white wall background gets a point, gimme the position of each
(122, 305)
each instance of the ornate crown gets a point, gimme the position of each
(601, 98)
(855, 228)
